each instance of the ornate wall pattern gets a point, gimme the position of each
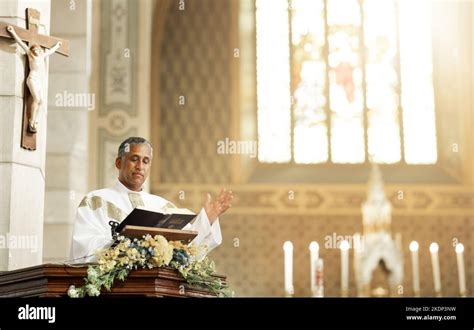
(251, 199)
(119, 114)
(194, 94)
(119, 35)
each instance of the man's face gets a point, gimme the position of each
(135, 166)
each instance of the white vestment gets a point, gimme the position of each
(92, 230)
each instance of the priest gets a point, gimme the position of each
(92, 230)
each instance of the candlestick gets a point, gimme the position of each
(435, 264)
(313, 259)
(344, 268)
(288, 250)
(461, 272)
(415, 268)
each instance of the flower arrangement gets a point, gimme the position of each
(149, 252)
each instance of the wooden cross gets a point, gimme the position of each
(30, 35)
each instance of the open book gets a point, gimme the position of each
(171, 218)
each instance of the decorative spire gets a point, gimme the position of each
(376, 210)
(376, 189)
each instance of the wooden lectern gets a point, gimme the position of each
(53, 280)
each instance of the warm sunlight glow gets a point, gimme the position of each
(417, 85)
(273, 81)
(347, 89)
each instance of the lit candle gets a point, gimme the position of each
(344, 268)
(461, 271)
(313, 259)
(288, 250)
(415, 268)
(435, 264)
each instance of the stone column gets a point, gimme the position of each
(68, 127)
(22, 172)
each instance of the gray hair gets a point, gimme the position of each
(125, 145)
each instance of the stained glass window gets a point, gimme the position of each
(343, 81)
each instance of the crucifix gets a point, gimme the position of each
(35, 69)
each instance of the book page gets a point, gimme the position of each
(168, 210)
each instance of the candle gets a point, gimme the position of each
(357, 249)
(288, 250)
(319, 292)
(415, 268)
(344, 268)
(435, 264)
(313, 259)
(461, 271)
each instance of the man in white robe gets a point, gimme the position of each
(92, 230)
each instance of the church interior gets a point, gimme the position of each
(340, 122)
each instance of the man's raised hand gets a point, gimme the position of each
(216, 207)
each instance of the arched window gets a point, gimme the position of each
(342, 81)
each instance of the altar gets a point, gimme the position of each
(54, 280)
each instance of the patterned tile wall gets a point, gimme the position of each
(195, 71)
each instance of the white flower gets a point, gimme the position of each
(92, 274)
(92, 290)
(72, 292)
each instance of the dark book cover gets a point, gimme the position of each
(172, 219)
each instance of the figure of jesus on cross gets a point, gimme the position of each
(35, 79)
(37, 48)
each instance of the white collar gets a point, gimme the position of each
(122, 188)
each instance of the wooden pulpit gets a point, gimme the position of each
(53, 280)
